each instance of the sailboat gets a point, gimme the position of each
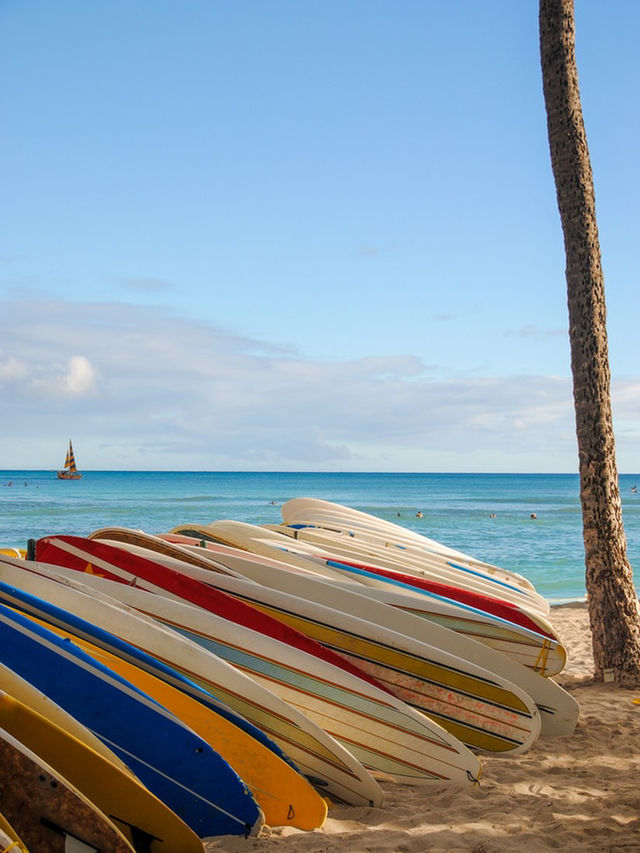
(69, 471)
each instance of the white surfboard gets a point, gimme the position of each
(412, 561)
(328, 514)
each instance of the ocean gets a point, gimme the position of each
(485, 515)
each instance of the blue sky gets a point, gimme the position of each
(287, 235)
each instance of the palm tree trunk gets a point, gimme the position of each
(614, 613)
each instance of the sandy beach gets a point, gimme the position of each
(573, 793)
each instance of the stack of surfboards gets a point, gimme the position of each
(362, 627)
(255, 674)
(484, 710)
(185, 790)
(385, 735)
(284, 795)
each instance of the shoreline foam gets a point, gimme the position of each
(574, 793)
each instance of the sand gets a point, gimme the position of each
(573, 793)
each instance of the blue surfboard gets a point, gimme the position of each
(168, 757)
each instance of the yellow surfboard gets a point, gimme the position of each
(20, 553)
(285, 796)
(9, 838)
(130, 806)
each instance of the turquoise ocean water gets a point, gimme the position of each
(457, 510)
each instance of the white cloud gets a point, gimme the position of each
(155, 390)
(13, 369)
(80, 377)
(43, 378)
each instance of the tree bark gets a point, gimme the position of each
(614, 613)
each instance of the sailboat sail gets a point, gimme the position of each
(69, 461)
(69, 471)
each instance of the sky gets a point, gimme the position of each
(303, 236)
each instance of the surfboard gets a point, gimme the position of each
(480, 708)
(558, 709)
(19, 553)
(461, 569)
(48, 813)
(140, 816)
(440, 575)
(9, 838)
(284, 795)
(171, 760)
(328, 514)
(96, 557)
(346, 558)
(385, 734)
(158, 545)
(346, 562)
(349, 562)
(38, 701)
(414, 551)
(543, 654)
(330, 767)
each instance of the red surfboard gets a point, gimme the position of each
(495, 606)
